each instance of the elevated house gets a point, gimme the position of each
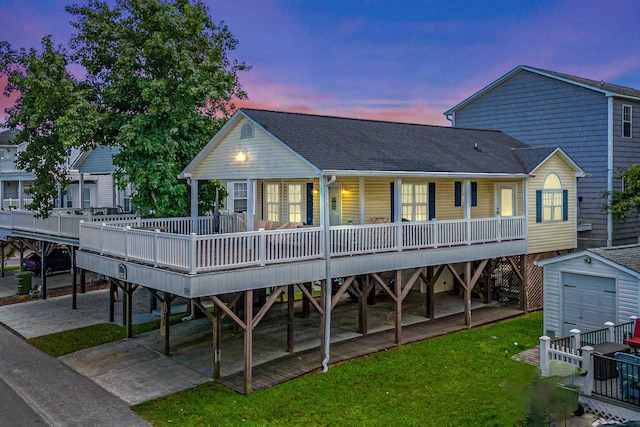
(402, 207)
(595, 122)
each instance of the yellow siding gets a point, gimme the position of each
(377, 198)
(267, 158)
(556, 235)
(350, 199)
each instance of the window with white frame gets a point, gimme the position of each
(294, 200)
(86, 197)
(626, 121)
(69, 198)
(414, 202)
(272, 202)
(239, 197)
(552, 198)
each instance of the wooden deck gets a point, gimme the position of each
(297, 364)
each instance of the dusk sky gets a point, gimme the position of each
(396, 60)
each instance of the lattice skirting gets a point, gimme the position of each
(608, 411)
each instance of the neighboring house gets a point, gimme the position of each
(583, 290)
(96, 166)
(596, 123)
(97, 189)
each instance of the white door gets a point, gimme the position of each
(335, 205)
(588, 302)
(505, 199)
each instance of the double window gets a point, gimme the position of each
(627, 120)
(414, 202)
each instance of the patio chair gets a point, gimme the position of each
(634, 341)
(628, 367)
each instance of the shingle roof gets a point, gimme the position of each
(533, 156)
(7, 136)
(627, 256)
(334, 143)
(600, 85)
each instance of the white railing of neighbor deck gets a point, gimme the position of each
(193, 253)
(59, 223)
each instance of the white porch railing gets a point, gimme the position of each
(60, 224)
(145, 241)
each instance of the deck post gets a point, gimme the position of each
(217, 317)
(83, 280)
(587, 365)
(430, 303)
(545, 343)
(362, 306)
(290, 301)
(43, 268)
(113, 289)
(74, 280)
(248, 340)
(128, 303)
(194, 206)
(166, 321)
(467, 294)
(398, 310)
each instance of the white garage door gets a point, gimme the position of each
(589, 302)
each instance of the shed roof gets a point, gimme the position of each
(627, 256)
(342, 144)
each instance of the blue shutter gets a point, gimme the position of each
(538, 205)
(432, 200)
(458, 196)
(565, 205)
(309, 203)
(474, 194)
(393, 203)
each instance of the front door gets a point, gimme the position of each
(335, 205)
(505, 199)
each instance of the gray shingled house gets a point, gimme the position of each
(595, 122)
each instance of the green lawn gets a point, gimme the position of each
(461, 379)
(66, 342)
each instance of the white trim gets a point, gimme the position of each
(579, 172)
(393, 174)
(543, 263)
(609, 169)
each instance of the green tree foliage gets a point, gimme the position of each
(158, 85)
(624, 202)
(49, 100)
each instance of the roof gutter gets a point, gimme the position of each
(365, 173)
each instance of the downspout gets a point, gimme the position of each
(609, 169)
(327, 263)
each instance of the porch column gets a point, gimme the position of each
(80, 190)
(326, 292)
(20, 194)
(397, 208)
(194, 206)
(250, 204)
(362, 199)
(467, 208)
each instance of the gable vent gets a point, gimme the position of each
(246, 131)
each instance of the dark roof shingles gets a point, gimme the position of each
(627, 256)
(334, 143)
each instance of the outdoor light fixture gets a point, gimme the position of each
(587, 260)
(345, 190)
(315, 191)
(242, 156)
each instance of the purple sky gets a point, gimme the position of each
(393, 60)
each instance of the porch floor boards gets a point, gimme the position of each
(294, 365)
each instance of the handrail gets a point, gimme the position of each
(169, 242)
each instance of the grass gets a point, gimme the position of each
(460, 379)
(66, 342)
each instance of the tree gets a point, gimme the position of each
(164, 85)
(622, 203)
(158, 85)
(49, 100)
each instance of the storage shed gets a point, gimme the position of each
(585, 289)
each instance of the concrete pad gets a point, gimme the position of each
(133, 372)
